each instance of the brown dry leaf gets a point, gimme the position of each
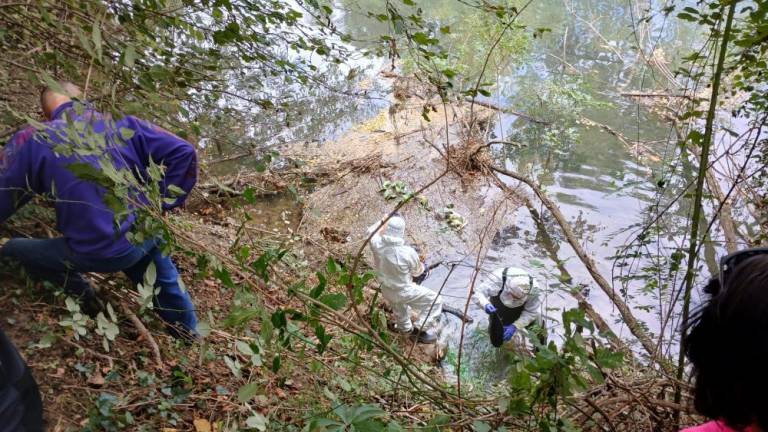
(202, 425)
(97, 379)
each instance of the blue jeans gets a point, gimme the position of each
(54, 261)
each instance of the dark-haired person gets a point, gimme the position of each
(727, 343)
(39, 161)
(510, 297)
(21, 409)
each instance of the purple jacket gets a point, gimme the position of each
(32, 163)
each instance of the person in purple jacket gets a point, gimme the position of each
(40, 160)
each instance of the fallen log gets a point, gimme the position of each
(507, 110)
(635, 327)
(656, 95)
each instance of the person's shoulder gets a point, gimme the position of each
(713, 426)
(151, 127)
(22, 136)
(18, 144)
(21, 140)
(516, 271)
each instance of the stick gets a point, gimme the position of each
(646, 151)
(145, 333)
(655, 95)
(600, 323)
(706, 142)
(506, 110)
(725, 215)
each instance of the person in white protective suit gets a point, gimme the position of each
(396, 265)
(510, 297)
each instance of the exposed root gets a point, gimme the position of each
(628, 404)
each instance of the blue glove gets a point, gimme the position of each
(490, 309)
(509, 331)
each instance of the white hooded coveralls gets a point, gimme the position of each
(396, 264)
(520, 289)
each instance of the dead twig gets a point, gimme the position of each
(144, 332)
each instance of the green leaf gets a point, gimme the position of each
(250, 195)
(321, 284)
(330, 266)
(335, 301)
(322, 338)
(479, 426)
(88, 172)
(247, 392)
(325, 425)
(244, 348)
(278, 319)
(609, 359)
(422, 39)
(83, 38)
(595, 373)
(437, 421)
(257, 421)
(224, 276)
(203, 328)
(150, 275)
(366, 412)
(176, 191)
(230, 33)
(129, 56)
(46, 341)
(96, 37)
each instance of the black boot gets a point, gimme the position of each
(424, 337)
(91, 304)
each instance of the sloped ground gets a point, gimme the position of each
(85, 387)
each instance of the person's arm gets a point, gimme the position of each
(175, 154)
(415, 266)
(16, 185)
(530, 312)
(375, 229)
(483, 290)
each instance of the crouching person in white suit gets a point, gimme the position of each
(396, 265)
(510, 297)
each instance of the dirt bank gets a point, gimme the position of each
(400, 145)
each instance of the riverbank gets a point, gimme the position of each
(271, 260)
